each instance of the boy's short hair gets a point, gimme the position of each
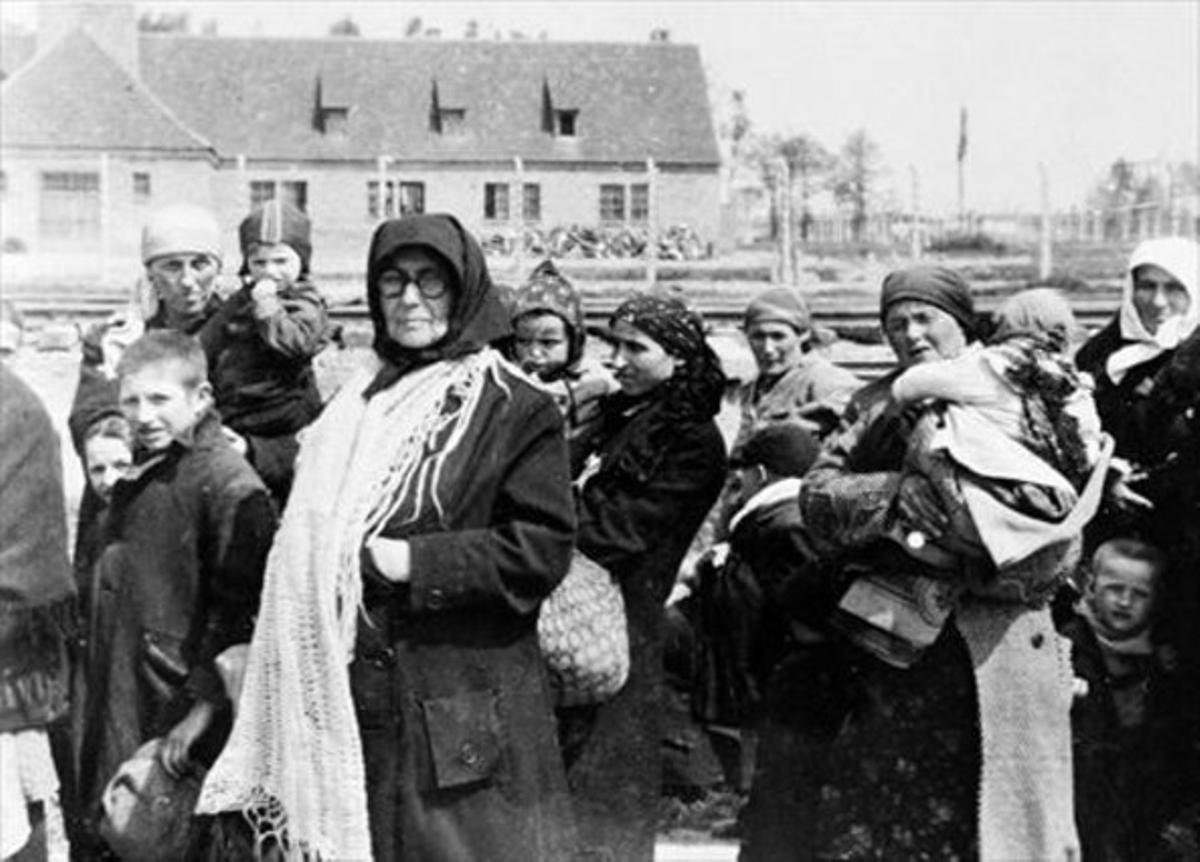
(786, 449)
(163, 346)
(110, 425)
(1128, 548)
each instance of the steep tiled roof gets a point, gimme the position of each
(76, 96)
(258, 97)
(15, 50)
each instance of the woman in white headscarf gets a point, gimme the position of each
(1159, 309)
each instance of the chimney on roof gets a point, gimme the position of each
(112, 26)
(660, 34)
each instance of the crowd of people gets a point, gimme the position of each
(946, 614)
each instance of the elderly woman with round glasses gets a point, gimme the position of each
(395, 703)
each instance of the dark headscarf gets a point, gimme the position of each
(695, 390)
(548, 291)
(934, 285)
(477, 315)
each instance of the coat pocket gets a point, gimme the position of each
(465, 737)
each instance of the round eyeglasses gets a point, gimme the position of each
(393, 283)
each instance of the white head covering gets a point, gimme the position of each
(1181, 258)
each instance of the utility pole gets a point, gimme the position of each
(915, 207)
(1047, 228)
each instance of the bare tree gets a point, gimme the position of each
(809, 164)
(344, 27)
(854, 177)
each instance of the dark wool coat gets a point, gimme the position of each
(857, 759)
(260, 364)
(637, 515)
(178, 582)
(449, 684)
(1125, 408)
(1129, 781)
(741, 631)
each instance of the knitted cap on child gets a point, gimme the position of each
(275, 222)
(180, 229)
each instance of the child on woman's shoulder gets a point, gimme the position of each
(1134, 768)
(548, 342)
(261, 345)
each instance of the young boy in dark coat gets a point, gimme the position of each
(178, 579)
(261, 342)
(1134, 768)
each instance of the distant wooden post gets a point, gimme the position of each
(105, 220)
(1044, 262)
(787, 268)
(914, 239)
(381, 164)
(651, 223)
(516, 219)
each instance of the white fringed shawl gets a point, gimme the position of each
(293, 763)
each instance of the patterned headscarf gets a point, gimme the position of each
(695, 390)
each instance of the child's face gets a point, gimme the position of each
(541, 344)
(108, 459)
(159, 404)
(278, 262)
(1122, 595)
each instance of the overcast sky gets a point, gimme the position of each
(1071, 84)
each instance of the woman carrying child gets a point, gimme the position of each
(655, 469)
(890, 756)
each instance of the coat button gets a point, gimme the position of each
(437, 598)
(469, 754)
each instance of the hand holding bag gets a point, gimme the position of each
(583, 635)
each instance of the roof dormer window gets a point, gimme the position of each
(565, 122)
(333, 102)
(452, 122)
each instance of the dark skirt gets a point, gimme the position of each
(860, 760)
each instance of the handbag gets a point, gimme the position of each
(583, 636)
(145, 812)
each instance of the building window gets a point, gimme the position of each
(397, 199)
(495, 201)
(531, 202)
(612, 203)
(639, 203)
(70, 206)
(261, 191)
(452, 122)
(141, 187)
(565, 123)
(294, 192)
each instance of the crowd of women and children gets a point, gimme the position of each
(952, 613)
